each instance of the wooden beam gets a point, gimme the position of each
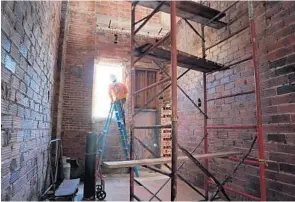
(156, 161)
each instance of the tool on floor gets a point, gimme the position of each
(67, 190)
(117, 109)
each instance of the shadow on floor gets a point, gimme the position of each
(117, 188)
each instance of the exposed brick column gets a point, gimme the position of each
(59, 73)
(78, 78)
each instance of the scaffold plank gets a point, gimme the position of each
(186, 60)
(190, 10)
(156, 161)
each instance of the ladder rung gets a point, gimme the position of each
(152, 127)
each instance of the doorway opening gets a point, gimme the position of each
(101, 101)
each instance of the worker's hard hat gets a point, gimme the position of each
(113, 78)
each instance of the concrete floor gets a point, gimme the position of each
(117, 188)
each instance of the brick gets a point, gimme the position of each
(291, 59)
(280, 187)
(277, 138)
(11, 17)
(288, 168)
(278, 63)
(15, 38)
(5, 42)
(6, 121)
(282, 157)
(15, 53)
(271, 165)
(276, 195)
(23, 50)
(268, 92)
(285, 70)
(280, 177)
(10, 63)
(289, 108)
(12, 109)
(286, 89)
(18, 11)
(3, 55)
(286, 148)
(23, 87)
(19, 28)
(280, 118)
(5, 25)
(291, 77)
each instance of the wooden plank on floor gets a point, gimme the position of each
(156, 161)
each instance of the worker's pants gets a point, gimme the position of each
(121, 103)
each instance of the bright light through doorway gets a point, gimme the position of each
(101, 100)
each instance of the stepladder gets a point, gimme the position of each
(116, 109)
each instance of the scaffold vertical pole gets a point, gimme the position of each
(174, 100)
(258, 103)
(131, 130)
(205, 111)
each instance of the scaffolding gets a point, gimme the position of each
(206, 16)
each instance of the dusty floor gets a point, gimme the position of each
(117, 188)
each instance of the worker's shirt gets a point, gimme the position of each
(117, 91)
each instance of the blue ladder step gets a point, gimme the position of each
(116, 108)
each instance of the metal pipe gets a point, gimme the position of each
(136, 197)
(185, 94)
(55, 140)
(204, 170)
(228, 37)
(258, 103)
(140, 184)
(152, 85)
(174, 100)
(45, 192)
(167, 166)
(142, 19)
(233, 127)
(131, 130)
(232, 95)
(155, 194)
(149, 16)
(238, 192)
(192, 27)
(56, 159)
(205, 119)
(228, 177)
(219, 14)
(153, 127)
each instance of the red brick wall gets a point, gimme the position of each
(59, 75)
(78, 78)
(29, 42)
(123, 10)
(83, 45)
(275, 34)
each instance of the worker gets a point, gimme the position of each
(118, 93)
